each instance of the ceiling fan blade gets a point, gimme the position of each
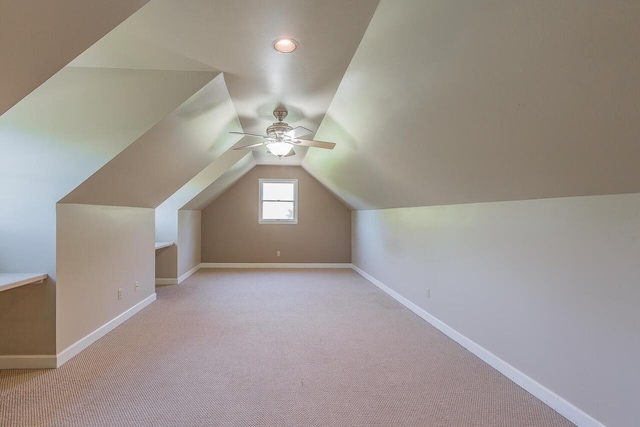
(299, 131)
(318, 144)
(245, 147)
(250, 134)
(291, 153)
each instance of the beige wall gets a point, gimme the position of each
(100, 249)
(59, 136)
(166, 264)
(221, 183)
(231, 233)
(28, 321)
(50, 142)
(168, 221)
(549, 286)
(189, 237)
(183, 228)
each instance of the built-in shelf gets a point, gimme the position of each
(160, 245)
(13, 280)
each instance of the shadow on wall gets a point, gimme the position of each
(329, 166)
(28, 323)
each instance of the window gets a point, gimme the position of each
(278, 201)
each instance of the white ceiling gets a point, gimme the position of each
(39, 37)
(171, 153)
(221, 184)
(470, 101)
(429, 102)
(58, 136)
(236, 36)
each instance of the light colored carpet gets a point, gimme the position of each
(271, 348)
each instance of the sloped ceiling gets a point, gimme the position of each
(236, 36)
(202, 180)
(443, 102)
(167, 213)
(80, 119)
(40, 37)
(221, 184)
(169, 154)
(63, 132)
(453, 102)
(123, 49)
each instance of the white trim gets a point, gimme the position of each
(293, 181)
(278, 221)
(560, 405)
(275, 265)
(55, 361)
(161, 245)
(74, 349)
(163, 281)
(14, 280)
(40, 361)
(186, 275)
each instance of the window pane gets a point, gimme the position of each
(277, 191)
(277, 210)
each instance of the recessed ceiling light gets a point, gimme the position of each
(285, 45)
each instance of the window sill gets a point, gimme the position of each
(276, 221)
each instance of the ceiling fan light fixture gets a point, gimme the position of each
(279, 148)
(285, 45)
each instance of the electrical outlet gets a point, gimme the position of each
(137, 287)
(277, 253)
(119, 293)
(428, 293)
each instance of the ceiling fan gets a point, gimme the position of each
(280, 138)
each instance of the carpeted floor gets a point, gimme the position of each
(271, 348)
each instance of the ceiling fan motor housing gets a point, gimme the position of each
(277, 130)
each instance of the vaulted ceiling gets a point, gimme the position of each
(39, 37)
(236, 36)
(472, 101)
(429, 102)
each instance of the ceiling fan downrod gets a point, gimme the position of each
(280, 115)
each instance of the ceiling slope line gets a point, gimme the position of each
(64, 27)
(168, 155)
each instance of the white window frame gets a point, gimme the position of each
(295, 201)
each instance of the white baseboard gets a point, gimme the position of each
(163, 281)
(74, 349)
(186, 275)
(275, 265)
(53, 361)
(40, 361)
(560, 405)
